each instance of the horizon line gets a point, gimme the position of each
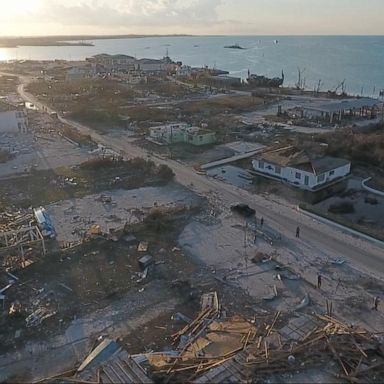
(95, 36)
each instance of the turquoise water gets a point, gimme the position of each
(357, 59)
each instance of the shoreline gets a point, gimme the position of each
(64, 41)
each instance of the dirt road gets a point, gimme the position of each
(317, 238)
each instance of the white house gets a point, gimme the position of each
(111, 63)
(78, 73)
(150, 65)
(181, 133)
(296, 167)
(170, 133)
(14, 121)
(183, 71)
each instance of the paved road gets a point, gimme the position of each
(316, 237)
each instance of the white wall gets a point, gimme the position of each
(150, 67)
(289, 174)
(13, 121)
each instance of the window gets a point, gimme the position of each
(277, 170)
(331, 173)
(261, 164)
(298, 175)
(201, 138)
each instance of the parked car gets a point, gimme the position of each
(243, 209)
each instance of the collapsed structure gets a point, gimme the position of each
(181, 133)
(216, 348)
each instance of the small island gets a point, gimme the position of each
(234, 46)
(65, 41)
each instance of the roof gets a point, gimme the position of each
(113, 365)
(122, 369)
(327, 163)
(344, 105)
(150, 61)
(101, 353)
(233, 370)
(285, 156)
(293, 157)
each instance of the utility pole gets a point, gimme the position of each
(245, 246)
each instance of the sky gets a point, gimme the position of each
(200, 17)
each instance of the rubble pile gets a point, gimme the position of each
(14, 219)
(215, 348)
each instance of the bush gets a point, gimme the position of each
(165, 173)
(5, 156)
(341, 208)
(371, 200)
(98, 163)
(158, 221)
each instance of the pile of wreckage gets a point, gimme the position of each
(214, 348)
(14, 219)
(21, 240)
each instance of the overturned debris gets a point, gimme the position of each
(217, 349)
(214, 348)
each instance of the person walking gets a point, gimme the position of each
(298, 232)
(319, 281)
(261, 222)
(376, 302)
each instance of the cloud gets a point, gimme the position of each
(128, 13)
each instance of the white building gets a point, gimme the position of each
(78, 73)
(183, 71)
(181, 133)
(150, 65)
(170, 133)
(14, 121)
(110, 63)
(296, 167)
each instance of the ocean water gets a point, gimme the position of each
(359, 60)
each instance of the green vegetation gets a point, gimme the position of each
(223, 104)
(84, 97)
(8, 84)
(369, 231)
(78, 137)
(343, 207)
(142, 114)
(165, 88)
(93, 176)
(366, 147)
(100, 120)
(5, 156)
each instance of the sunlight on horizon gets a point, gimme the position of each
(4, 55)
(17, 7)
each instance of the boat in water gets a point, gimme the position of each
(234, 46)
(263, 81)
